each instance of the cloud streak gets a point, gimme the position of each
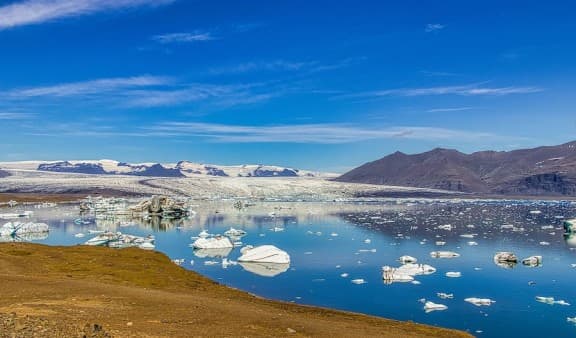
(16, 116)
(196, 36)
(32, 12)
(466, 90)
(309, 133)
(433, 27)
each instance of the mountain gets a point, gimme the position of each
(180, 169)
(549, 170)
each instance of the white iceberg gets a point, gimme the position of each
(479, 301)
(532, 261)
(235, 233)
(407, 259)
(13, 229)
(444, 254)
(430, 306)
(264, 254)
(212, 253)
(217, 242)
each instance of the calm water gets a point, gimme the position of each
(326, 241)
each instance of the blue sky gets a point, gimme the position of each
(322, 85)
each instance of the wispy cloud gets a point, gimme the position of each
(41, 11)
(308, 133)
(433, 27)
(439, 110)
(466, 90)
(16, 116)
(196, 36)
(145, 91)
(98, 86)
(271, 66)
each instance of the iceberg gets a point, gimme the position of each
(430, 306)
(264, 254)
(532, 261)
(217, 242)
(265, 269)
(505, 259)
(444, 254)
(479, 301)
(212, 253)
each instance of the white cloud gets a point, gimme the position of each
(433, 27)
(309, 133)
(276, 65)
(183, 37)
(31, 12)
(98, 86)
(466, 90)
(439, 110)
(16, 116)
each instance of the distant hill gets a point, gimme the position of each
(180, 169)
(547, 170)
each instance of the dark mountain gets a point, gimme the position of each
(539, 171)
(4, 173)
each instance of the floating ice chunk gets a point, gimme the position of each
(344, 275)
(444, 254)
(265, 269)
(571, 320)
(544, 243)
(178, 261)
(358, 281)
(415, 282)
(367, 241)
(235, 232)
(532, 261)
(277, 229)
(443, 295)
(562, 302)
(334, 234)
(545, 300)
(217, 242)
(407, 259)
(430, 306)
(79, 235)
(147, 246)
(472, 243)
(447, 227)
(479, 301)
(440, 243)
(505, 259)
(204, 234)
(453, 274)
(468, 235)
(535, 212)
(507, 226)
(264, 254)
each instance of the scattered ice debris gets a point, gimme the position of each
(551, 301)
(405, 273)
(235, 233)
(453, 274)
(277, 229)
(344, 275)
(407, 259)
(217, 242)
(178, 261)
(535, 212)
(532, 261)
(264, 254)
(120, 240)
(505, 259)
(358, 281)
(209, 263)
(12, 229)
(430, 306)
(24, 214)
(447, 227)
(443, 295)
(468, 235)
(479, 301)
(440, 243)
(507, 226)
(444, 254)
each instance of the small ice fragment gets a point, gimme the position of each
(532, 261)
(358, 281)
(430, 306)
(571, 320)
(545, 300)
(562, 302)
(407, 259)
(415, 282)
(544, 243)
(344, 275)
(444, 254)
(479, 301)
(445, 295)
(367, 241)
(472, 243)
(334, 234)
(453, 274)
(535, 212)
(440, 243)
(447, 227)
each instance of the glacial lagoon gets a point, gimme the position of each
(338, 250)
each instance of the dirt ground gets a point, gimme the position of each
(100, 292)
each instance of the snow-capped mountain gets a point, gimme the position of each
(180, 169)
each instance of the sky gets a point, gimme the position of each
(319, 85)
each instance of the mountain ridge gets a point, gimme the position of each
(546, 170)
(151, 169)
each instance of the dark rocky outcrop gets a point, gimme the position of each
(547, 170)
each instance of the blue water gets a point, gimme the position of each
(326, 240)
